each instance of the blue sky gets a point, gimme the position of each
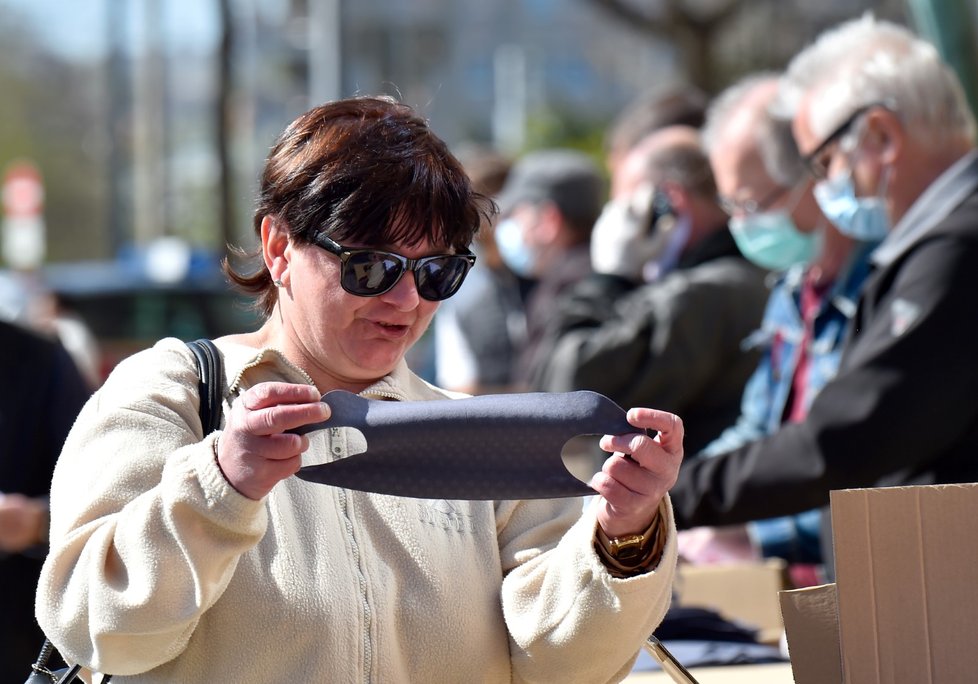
(75, 29)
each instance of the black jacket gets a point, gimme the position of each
(674, 344)
(42, 393)
(903, 408)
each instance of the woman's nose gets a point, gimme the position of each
(404, 296)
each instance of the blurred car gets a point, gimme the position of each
(131, 302)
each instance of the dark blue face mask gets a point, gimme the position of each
(500, 446)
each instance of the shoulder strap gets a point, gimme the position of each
(210, 370)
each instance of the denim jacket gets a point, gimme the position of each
(765, 399)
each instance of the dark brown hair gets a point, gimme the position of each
(366, 170)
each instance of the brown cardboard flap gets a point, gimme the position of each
(811, 624)
(745, 592)
(906, 569)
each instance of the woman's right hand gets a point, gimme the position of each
(255, 451)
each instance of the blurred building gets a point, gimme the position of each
(488, 70)
(168, 112)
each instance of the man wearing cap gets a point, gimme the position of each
(547, 208)
(661, 321)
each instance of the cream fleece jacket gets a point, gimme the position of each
(160, 571)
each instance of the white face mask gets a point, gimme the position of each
(519, 256)
(626, 242)
(861, 218)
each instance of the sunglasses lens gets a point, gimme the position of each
(370, 273)
(440, 277)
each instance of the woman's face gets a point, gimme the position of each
(344, 340)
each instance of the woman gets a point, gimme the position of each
(183, 557)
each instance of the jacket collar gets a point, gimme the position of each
(713, 246)
(248, 366)
(934, 204)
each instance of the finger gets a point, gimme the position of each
(266, 394)
(645, 471)
(284, 417)
(626, 444)
(627, 497)
(618, 472)
(254, 478)
(668, 425)
(284, 468)
(661, 427)
(283, 446)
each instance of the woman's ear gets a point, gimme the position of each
(276, 248)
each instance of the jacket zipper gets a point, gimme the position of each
(344, 502)
(362, 581)
(233, 388)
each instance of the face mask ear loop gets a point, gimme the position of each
(794, 199)
(884, 183)
(849, 144)
(852, 141)
(821, 225)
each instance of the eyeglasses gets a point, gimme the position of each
(733, 207)
(820, 158)
(372, 272)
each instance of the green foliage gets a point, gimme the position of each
(562, 127)
(952, 26)
(42, 118)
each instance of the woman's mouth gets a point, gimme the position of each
(391, 330)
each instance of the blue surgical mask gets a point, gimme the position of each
(861, 218)
(771, 240)
(520, 257)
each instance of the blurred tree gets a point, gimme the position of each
(692, 27)
(558, 127)
(48, 113)
(14, 138)
(223, 118)
(717, 41)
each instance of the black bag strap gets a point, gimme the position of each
(210, 371)
(210, 385)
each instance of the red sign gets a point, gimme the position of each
(23, 192)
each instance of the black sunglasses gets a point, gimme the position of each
(818, 161)
(372, 272)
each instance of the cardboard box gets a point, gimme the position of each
(811, 625)
(906, 570)
(741, 592)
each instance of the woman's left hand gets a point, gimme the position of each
(639, 473)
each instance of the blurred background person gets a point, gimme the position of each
(547, 210)
(50, 315)
(663, 317)
(43, 393)
(478, 331)
(675, 104)
(777, 224)
(26, 300)
(885, 129)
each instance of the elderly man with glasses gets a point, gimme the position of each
(884, 125)
(777, 224)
